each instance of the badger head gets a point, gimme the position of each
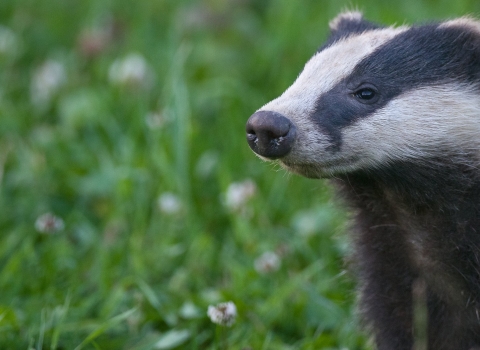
(371, 96)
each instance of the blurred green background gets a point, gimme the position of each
(129, 199)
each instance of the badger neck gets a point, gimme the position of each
(430, 210)
(437, 185)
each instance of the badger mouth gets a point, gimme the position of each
(325, 169)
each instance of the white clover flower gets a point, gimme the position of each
(305, 223)
(223, 314)
(189, 310)
(132, 70)
(206, 164)
(155, 120)
(238, 193)
(8, 41)
(93, 41)
(49, 223)
(47, 81)
(312, 221)
(169, 203)
(267, 262)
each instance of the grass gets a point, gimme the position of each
(99, 150)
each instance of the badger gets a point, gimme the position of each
(391, 115)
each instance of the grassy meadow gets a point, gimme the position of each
(129, 199)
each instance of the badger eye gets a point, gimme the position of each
(365, 94)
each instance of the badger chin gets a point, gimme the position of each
(308, 171)
(320, 168)
(323, 170)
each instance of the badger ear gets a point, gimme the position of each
(350, 22)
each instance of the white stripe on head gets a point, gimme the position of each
(463, 22)
(419, 124)
(327, 68)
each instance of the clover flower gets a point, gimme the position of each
(93, 41)
(267, 262)
(47, 81)
(206, 164)
(223, 314)
(49, 223)
(155, 120)
(169, 203)
(132, 70)
(8, 41)
(238, 193)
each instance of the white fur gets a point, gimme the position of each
(321, 73)
(417, 125)
(349, 15)
(331, 66)
(463, 22)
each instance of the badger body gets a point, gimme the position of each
(392, 116)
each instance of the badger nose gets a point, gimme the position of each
(270, 134)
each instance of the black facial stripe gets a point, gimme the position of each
(423, 56)
(338, 108)
(420, 56)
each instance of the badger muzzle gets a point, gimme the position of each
(270, 134)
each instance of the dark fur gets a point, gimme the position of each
(418, 222)
(347, 27)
